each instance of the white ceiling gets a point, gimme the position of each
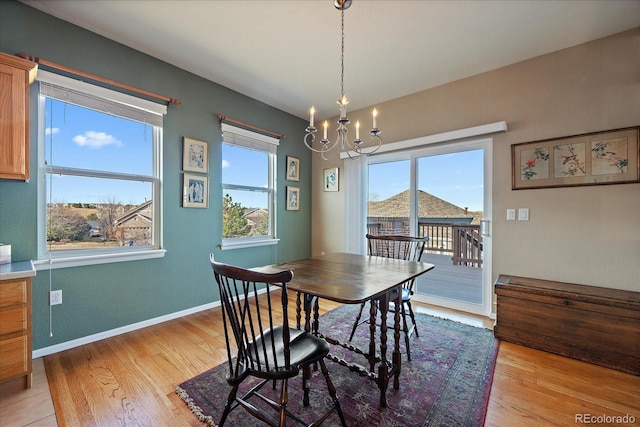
(287, 53)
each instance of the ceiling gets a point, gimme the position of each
(287, 53)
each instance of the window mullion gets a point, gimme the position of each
(60, 170)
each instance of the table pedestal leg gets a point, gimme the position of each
(310, 304)
(397, 357)
(383, 369)
(372, 334)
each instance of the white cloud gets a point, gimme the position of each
(225, 164)
(51, 131)
(93, 139)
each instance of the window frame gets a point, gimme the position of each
(245, 139)
(130, 108)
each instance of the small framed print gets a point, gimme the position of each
(195, 156)
(195, 191)
(293, 168)
(331, 179)
(293, 198)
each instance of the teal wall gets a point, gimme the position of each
(103, 297)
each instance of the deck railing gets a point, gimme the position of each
(462, 241)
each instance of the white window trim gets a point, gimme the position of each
(244, 138)
(94, 259)
(47, 260)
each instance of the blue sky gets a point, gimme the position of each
(456, 178)
(80, 138)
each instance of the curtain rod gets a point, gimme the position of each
(224, 118)
(96, 78)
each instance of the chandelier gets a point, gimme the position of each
(354, 149)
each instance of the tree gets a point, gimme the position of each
(108, 212)
(64, 223)
(262, 228)
(234, 223)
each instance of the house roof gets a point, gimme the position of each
(142, 210)
(429, 206)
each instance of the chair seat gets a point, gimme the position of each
(304, 348)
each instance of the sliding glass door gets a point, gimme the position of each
(440, 192)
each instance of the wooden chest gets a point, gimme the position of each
(588, 323)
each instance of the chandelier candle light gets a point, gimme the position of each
(328, 148)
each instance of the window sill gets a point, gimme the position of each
(84, 260)
(229, 244)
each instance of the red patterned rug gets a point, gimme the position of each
(447, 382)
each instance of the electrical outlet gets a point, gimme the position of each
(55, 297)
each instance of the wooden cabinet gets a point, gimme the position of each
(16, 74)
(15, 330)
(588, 323)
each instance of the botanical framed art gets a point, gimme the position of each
(331, 179)
(195, 156)
(195, 191)
(607, 157)
(293, 199)
(293, 168)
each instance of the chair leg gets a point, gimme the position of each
(284, 399)
(227, 408)
(413, 318)
(332, 392)
(355, 325)
(405, 328)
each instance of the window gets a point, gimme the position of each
(99, 173)
(248, 188)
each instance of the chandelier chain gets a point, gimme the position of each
(342, 59)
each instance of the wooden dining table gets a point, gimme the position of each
(355, 279)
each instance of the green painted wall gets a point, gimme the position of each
(103, 297)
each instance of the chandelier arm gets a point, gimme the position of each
(326, 146)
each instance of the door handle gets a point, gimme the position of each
(484, 227)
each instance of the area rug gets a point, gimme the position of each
(447, 382)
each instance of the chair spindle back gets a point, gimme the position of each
(248, 303)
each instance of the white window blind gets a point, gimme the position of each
(101, 99)
(245, 138)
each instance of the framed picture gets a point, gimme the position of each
(293, 198)
(293, 168)
(195, 156)
(331, 179)
(607, 157)
(195, 191)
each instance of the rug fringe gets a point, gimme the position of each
(197, 411)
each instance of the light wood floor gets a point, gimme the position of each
(129, 380)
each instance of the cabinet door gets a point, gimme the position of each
(14, 119)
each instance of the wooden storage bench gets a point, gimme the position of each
(588, 323)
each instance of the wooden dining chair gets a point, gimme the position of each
(399, 247)
(261, 345)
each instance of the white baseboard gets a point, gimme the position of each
(118, 331)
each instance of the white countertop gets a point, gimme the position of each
(17, 270)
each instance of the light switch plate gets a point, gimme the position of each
(511, 214)
(523, 214)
